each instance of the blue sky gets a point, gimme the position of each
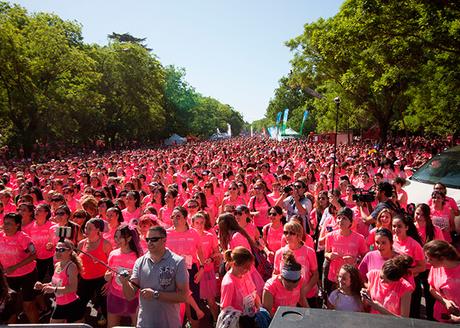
(232, 50)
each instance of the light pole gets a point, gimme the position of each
(337, 106)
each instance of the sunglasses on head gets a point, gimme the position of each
(153, 239)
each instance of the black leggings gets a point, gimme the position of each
(421, 281)
(91, 289)
(194, 288)
(45, 269)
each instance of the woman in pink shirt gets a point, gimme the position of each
(343, 246)
(284, 289)
(122, 259)
(243, 216)
(305, 255)
(186, 242)
(444, 280)
(407, 241)
(442, 215)
(63, 285)
(272, 233)
(383, 220)
(388, 292)
(166, 211)
(259, 205)
(41, 232)
(374, 260)
(425, 227)
(238, 290)
(133, 206)
(208, 283)
(231, 235)
(114, 219)
(17, 257)
(233, 197)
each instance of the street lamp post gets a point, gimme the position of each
(337, 106)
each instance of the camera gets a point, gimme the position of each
(362, 195)
(287, 189)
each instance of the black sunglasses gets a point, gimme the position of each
(153, 239)
(291, 233)
(61, 249)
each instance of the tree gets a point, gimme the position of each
(45, 77)
(375, 54)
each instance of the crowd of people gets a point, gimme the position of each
(226, 232)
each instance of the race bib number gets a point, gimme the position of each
(188, 261)
(249, 304)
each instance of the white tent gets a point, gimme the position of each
(175, 139)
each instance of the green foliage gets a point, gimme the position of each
(54, 88)
(394, 64)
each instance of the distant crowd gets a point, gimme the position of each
(223, 233)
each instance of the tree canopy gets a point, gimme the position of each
(394, 64)
(56, 89)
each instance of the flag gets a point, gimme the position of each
(229, 130)
(305, 115)
(252, 131)
(278, 118)
(285, 118)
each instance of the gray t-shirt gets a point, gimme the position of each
(163, 275)
(291, 208)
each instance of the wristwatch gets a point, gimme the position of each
(156, 294)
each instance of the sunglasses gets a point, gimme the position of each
(233, 188)
(257, 188)
(272, 214)
(153, 239)
(289, 233)
(298, 186)
(59, 213)
(192, 206)
(61, 249)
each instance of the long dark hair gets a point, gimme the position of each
(429, 228)
(227, 226)
(125, 232)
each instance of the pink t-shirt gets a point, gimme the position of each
(239, 293)
(282, 296)
(387, 294)
(262, 207)
(409, 247)
(371, 261)
(239, 240)
(14, 249)
(128, 216)
(185, 244)
(441, 219)
(306, 257)
(445, 281)
(351, 245)
(41, 235)
(273, 237)
(438, 235)
(165, 216)
(209, 244)
(120, 261)
(251, 230)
